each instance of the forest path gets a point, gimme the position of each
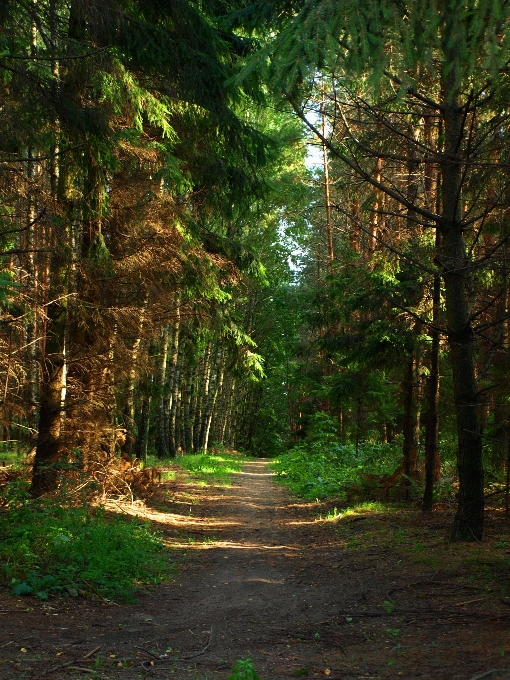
(299, 596)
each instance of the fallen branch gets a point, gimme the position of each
(69, 664)
(478, 599)
(202, 651)
(166, 659)
(420, 612)
(146, 651)
(98, 593)
(87, 656)
(83, 670)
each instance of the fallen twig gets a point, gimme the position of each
(83, 670)
(146, 651)
(58, 667)
(154, 670)
(19, 668)
(167, 659)
(87, 656)
(421, 612)
(478, 599)
(202, 651)
(97, 592)
(69, 664)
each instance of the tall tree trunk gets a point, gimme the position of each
(186, 412)
(411, 420)
(173, 422)
(140, 448)
(468, 523)
(220, 369)
(48, 451)
(209, 379)
(161, 429)
(129, 410)
(173, 384)
(432, 390)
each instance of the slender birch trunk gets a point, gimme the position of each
(161, 430)
(217, 390)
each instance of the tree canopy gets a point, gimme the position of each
(176, 272)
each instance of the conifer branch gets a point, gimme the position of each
(386, 245)
(359, 171)
(410, 90)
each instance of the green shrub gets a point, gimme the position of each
(48, 547)
(322, 466)
(244, 670)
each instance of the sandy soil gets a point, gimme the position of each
(261, 578)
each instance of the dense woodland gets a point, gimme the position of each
(268, 226)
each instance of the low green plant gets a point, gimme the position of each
(244, 670)
(322, 466)
(49, 546)
(389, 605)
(399, 535)
(211, 467)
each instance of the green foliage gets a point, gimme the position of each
(48, 547)
(322, 466)
(244, 670)
(211, 467)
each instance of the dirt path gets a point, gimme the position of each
(261, 578)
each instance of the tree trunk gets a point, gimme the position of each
(173, 384)
(140, 448)
(187, 415)
(216, 390)
(432, 389)
(208, 387)
(411, 421)
(129, 410)
(173, 424)
(48, 454)
(468, 523)
(161, 430)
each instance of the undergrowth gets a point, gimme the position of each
(214, 468)
(48, 546)
(322, 466)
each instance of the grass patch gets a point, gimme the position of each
(411, 537)
(362, 509)
(11, 457)
(209, 468)
(49, 547)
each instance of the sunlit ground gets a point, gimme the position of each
(176, 512)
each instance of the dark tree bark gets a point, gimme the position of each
(411, 422)
(468, 523)
(48, 451)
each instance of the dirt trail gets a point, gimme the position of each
(261, 578)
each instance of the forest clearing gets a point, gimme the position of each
(265, 241)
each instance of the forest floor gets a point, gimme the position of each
(374, 594)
